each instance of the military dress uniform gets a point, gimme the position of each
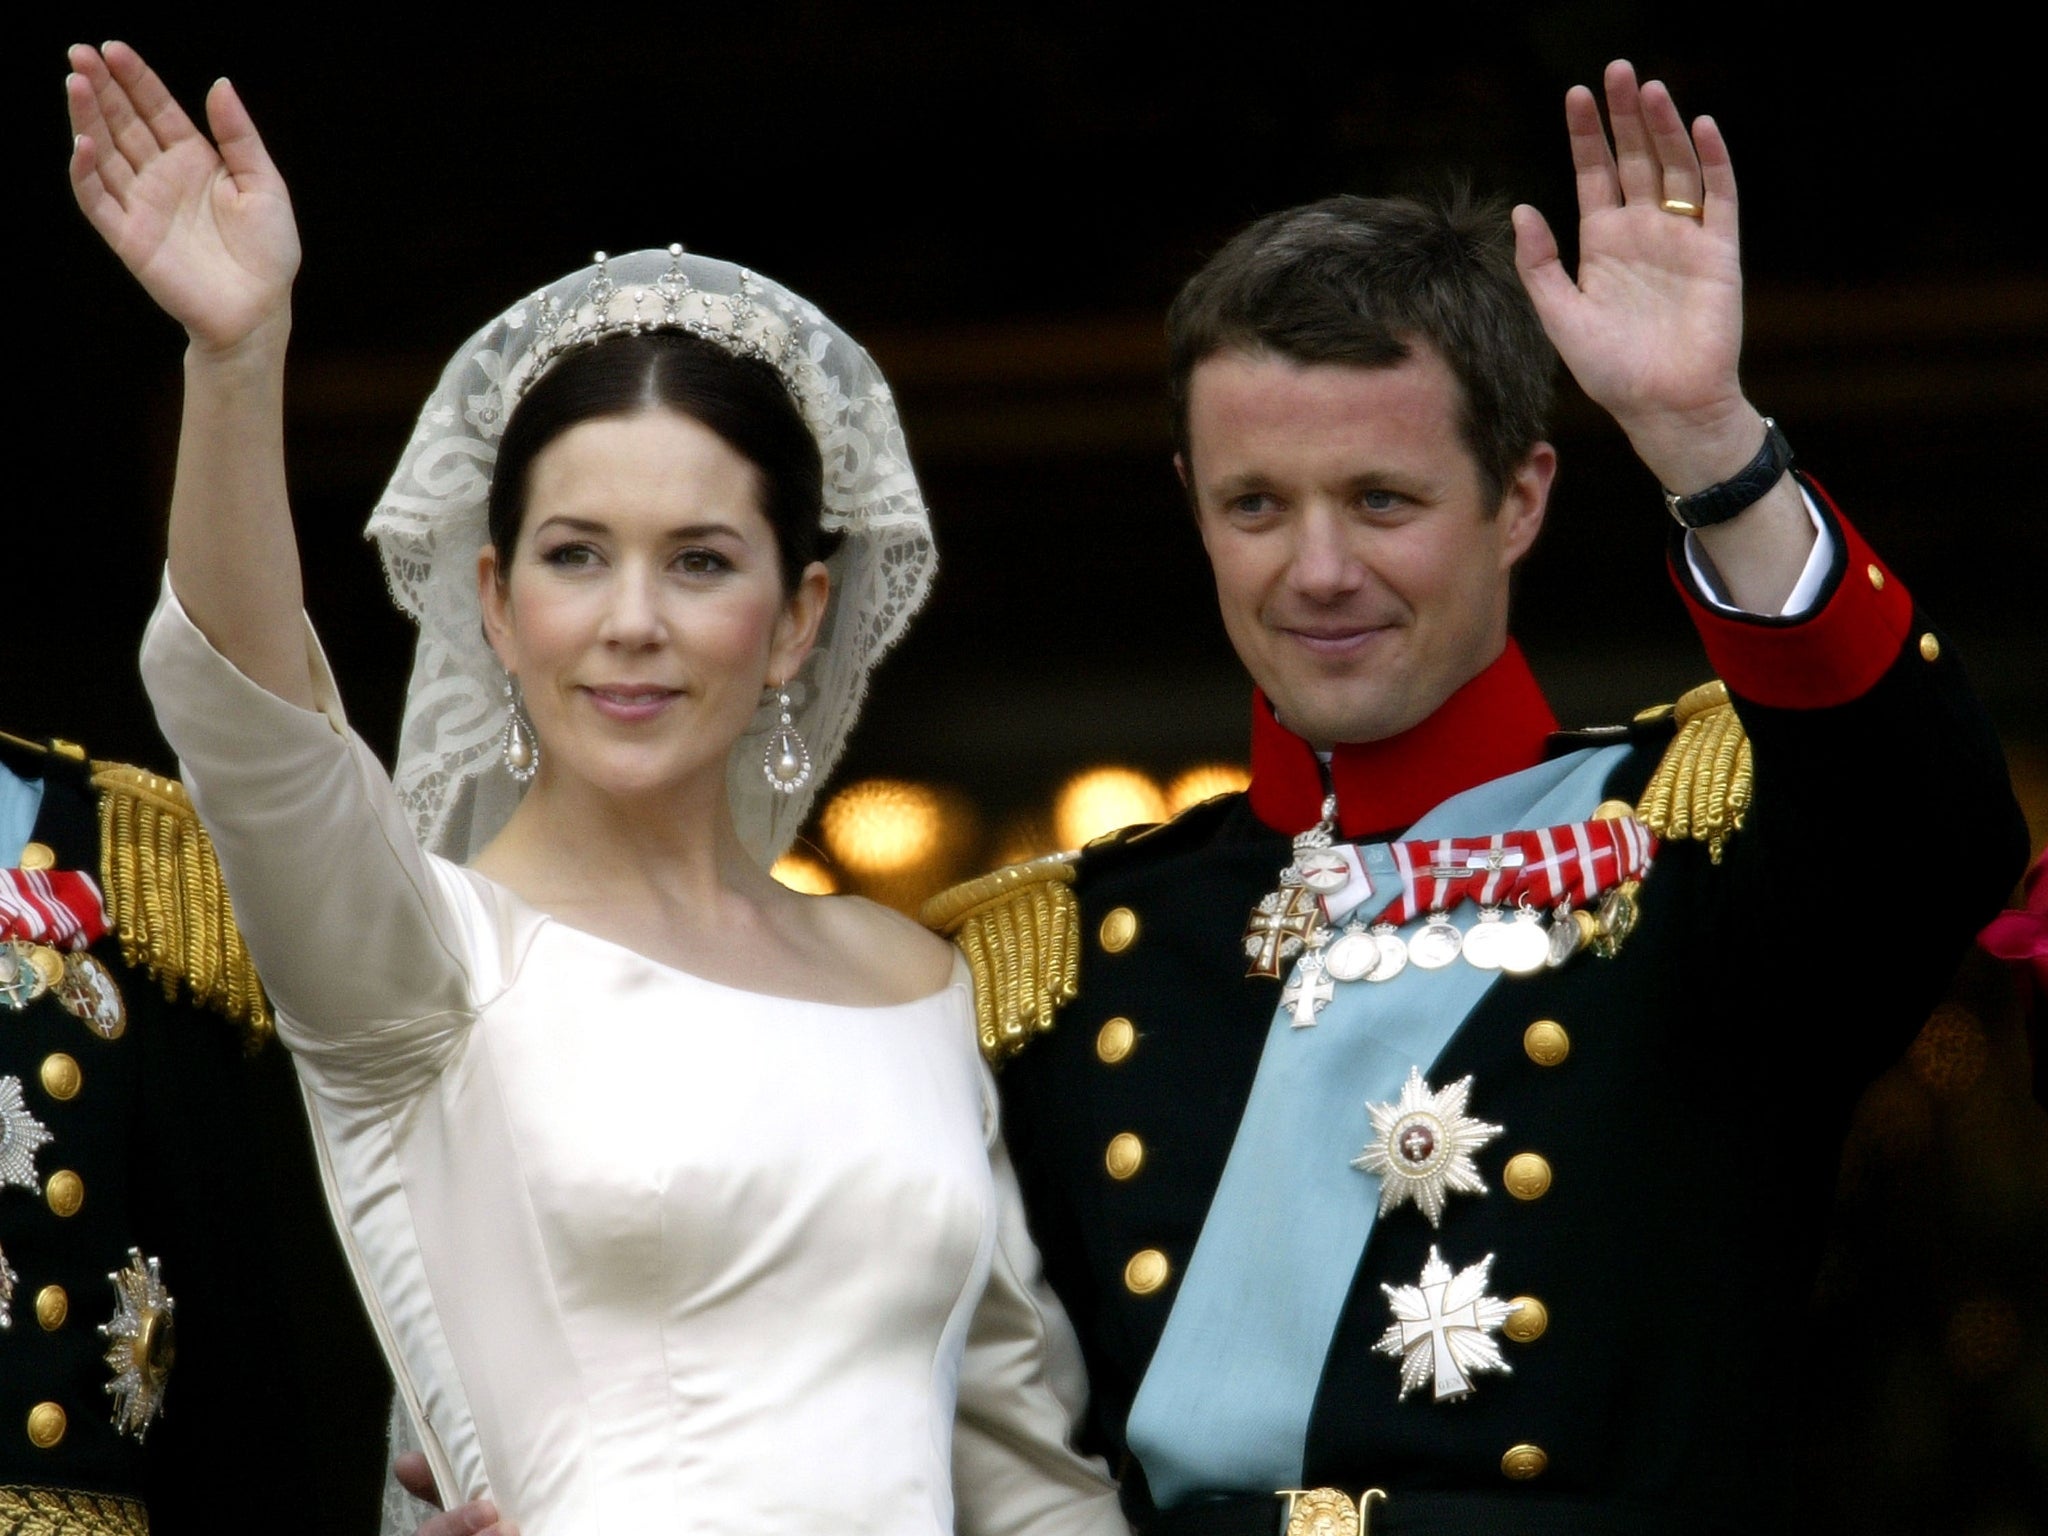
(1601, 1330)
(182, 1347)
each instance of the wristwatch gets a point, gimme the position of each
(1718, 503)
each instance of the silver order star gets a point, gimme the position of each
(1422, 1146)
(1441, 1325)
(8, 1280)
(21, 1133)
(140, 1343)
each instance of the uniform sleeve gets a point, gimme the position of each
(1881, 800)
(355, 932)
(1022, 1393)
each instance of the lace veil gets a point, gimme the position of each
(430, 525)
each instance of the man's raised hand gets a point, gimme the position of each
(1652, 325)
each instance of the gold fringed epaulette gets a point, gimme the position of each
(165, 895)
(1020, 929)
(1702, 785)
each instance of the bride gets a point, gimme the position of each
(675, 1196)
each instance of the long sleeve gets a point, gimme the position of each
(1022, 1392)
(356, 932)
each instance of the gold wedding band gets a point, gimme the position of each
(1683, 209)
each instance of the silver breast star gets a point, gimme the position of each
(1441, 1325)
(1422, 1146)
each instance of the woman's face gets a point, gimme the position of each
(642, 610)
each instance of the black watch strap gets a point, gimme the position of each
(1718, 503)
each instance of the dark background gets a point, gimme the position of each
(1001, 208)
(1001, 205)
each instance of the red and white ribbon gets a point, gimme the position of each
(1576, 863)
(58, 907)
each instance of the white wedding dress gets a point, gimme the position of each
(646, 1253)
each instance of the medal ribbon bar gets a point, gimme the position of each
(60, 907)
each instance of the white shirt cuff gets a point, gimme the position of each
(1800, 601)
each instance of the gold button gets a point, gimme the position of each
(1126, 1155)
(38, 856)
(1526, 1323)
(1930, 648)
(1876, 577)
(52, 1307)
(1523, 1462)
(1613, 810)
(1114, 1040)
(61, 1077)
(45, 1425)
(1546, 1042)
(1119, 929)
(1146, 1272)
(1527, 1176)
(65, 1192)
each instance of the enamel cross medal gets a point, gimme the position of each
(1290, 919)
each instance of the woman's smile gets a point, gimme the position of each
(642, 611)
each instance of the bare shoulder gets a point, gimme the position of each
(898, 959)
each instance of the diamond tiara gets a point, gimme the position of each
(735, 322)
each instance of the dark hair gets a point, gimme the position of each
(1354, 280)
(740, 398)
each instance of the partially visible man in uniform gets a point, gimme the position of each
(179, 1342)
(1436, 1137)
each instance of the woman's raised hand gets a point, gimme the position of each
(204, 224)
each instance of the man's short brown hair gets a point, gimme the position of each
(1354, 280)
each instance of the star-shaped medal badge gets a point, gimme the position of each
(140, 1343)
(1422, 1146)
(21, 1133)
(1441, 1325)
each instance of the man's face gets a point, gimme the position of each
(1362, 576)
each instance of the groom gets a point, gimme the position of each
(1364, 1208)
(1433, 1138)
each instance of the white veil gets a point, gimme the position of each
(430, 525)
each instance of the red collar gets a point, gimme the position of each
(1494, 725)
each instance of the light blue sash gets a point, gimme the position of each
(20, 800)
(1225, 1404)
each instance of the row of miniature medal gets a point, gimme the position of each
(1586, 874)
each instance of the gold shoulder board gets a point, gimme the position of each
(166, 897)
(1701, 789)
(1020, 929)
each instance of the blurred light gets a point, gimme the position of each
(1204, 782)
(1101, 800)
(882, 826)
(1022, 839)
(801, 872)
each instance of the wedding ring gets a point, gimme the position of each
(1682, 208)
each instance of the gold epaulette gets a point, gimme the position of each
(1702, 785)
(26, 1511)
(166, 897)
(1020, 929)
